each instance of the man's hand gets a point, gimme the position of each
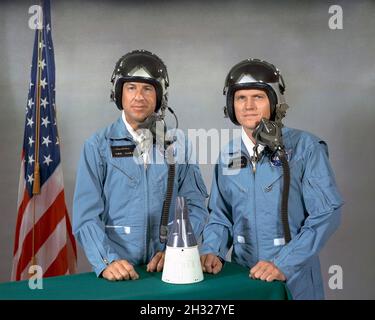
(211, 263)
(120, 270)
(156, 263)
(265, 270)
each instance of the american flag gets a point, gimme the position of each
(43, 231)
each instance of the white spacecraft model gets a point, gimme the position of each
(182, 262)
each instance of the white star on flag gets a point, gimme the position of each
(30, 122)
(31, 159)
(42, 45)
(47, 160)
(30, 103)
(42, 64)
(57, 141)
(31, 141)
(31, 84)
(48, 28)
(46, 141)
(30, 178)
(45, 121)
(43, 83)
(44, 102)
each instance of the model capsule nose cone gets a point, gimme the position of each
(181, 233)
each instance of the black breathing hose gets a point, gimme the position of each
(285, 195)
(168, 196)
(163, 230)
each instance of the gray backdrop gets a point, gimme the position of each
(329, 74)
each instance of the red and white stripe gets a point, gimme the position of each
(54, 245)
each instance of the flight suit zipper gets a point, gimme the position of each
(253, 162)
(255, 159)
(259, 162)
(146, 224)
(146, 212)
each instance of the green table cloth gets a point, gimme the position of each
(232, 283)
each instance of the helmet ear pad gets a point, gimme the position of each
(120, 84)
(243, 86)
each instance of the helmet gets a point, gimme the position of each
(140, 66)
(256, 74)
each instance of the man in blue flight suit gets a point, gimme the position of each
(120, 190)
(247, 190)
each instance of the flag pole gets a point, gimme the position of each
(36, 184)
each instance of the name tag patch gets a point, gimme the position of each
(238, 163)
(122, 151)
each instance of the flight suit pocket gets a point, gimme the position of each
(128, 241)
(321, 194)
(242, 249)
(161, 184)
(233, 185)
(125, 168)
(275, 179)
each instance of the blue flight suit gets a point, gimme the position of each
(118, 202)
(245, 211)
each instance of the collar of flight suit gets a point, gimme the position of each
(249, 144)
(119, 131)
(236, 148)
(134, 134)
